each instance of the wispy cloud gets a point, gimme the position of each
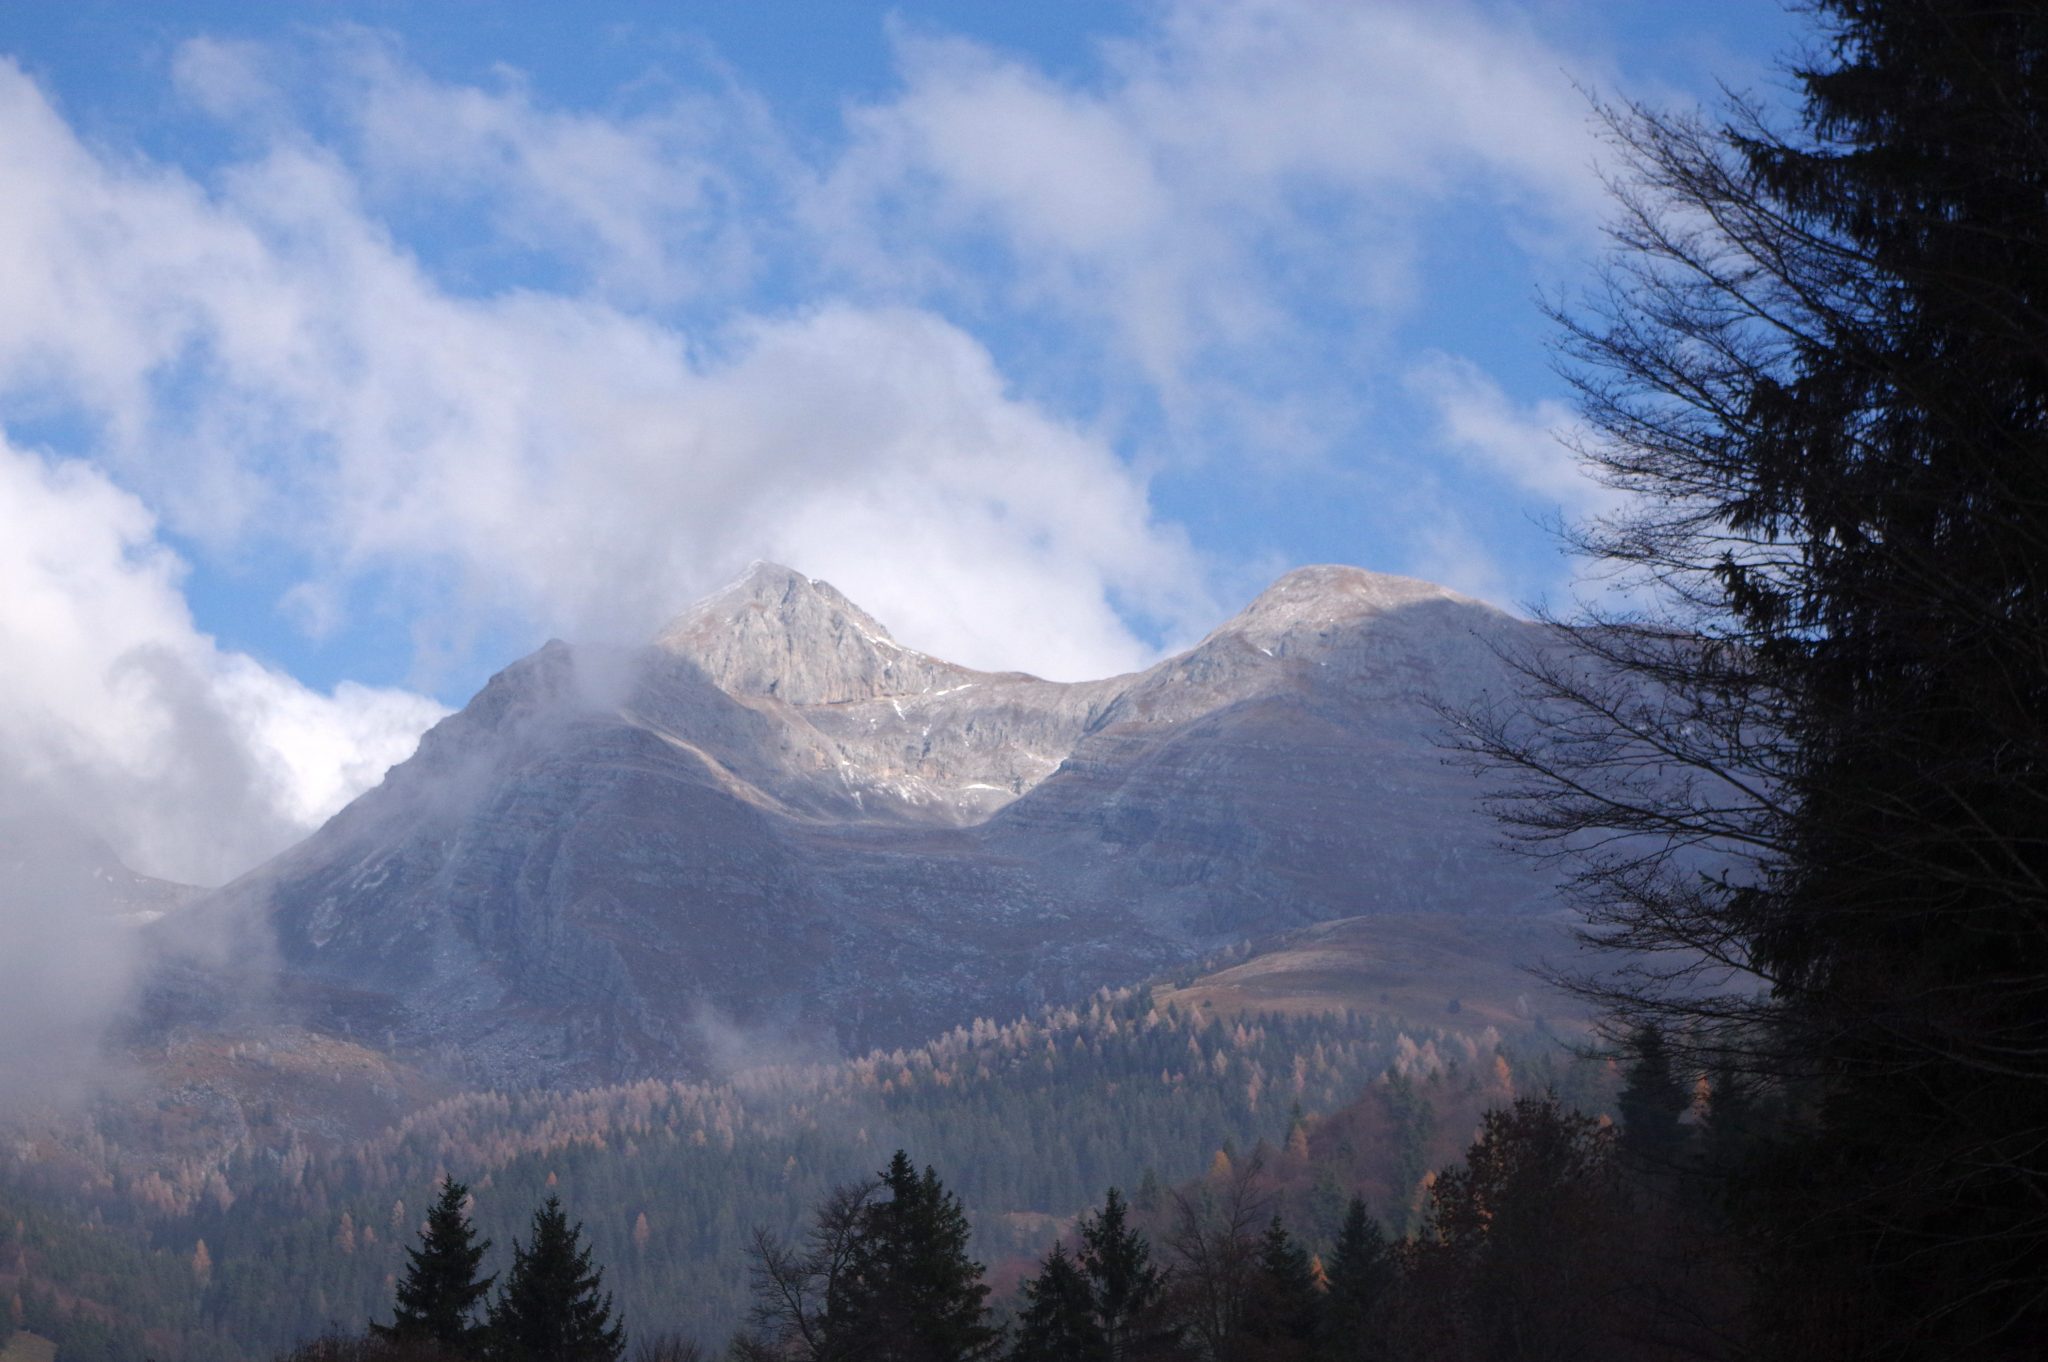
(647, 207)
(1528, 447)
(1235, 174)
(272, 367)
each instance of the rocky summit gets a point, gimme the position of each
(774, 822)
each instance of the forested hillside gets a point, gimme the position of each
(247, 1252)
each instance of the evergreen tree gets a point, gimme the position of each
(1362, 1274)
(1905, 448)
(1525, 1239)
(437, 1299)
(1818, 370)
(1151, 1196)
(1282, 1317)
(1414, 1122)
(550, 1308)
(908, 1291)
(1128, 1292)
(1058, 1322)
(1327, 1204)
(1652, 1098)
(1737, 1121)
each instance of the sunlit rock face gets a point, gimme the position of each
(905, 736)
(776, 817)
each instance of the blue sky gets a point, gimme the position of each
(348, 351)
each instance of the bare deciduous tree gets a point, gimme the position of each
(1214, 1248)
(794, 1284)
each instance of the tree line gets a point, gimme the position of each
(1556, 1236)
(1028, 1120)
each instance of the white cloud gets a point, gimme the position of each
(655, 206)
(274, 370)
(966, 515)
(648, 207)
(263, 360)
(117, 713)
(1238, 168)
(119, 720)
(1526, 445)
(1496, 452)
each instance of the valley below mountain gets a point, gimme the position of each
(264, 1183)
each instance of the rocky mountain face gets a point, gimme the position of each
(776, 828)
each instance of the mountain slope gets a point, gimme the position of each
(776, 821)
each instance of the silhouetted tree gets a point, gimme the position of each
(1820, 371)
(552, 1307)
(1127, 1292)
(1284, 1310)
(1653, 1096)
(1058, 1321)
(668, 1347)
(907, 1291)
(795, 1285)
(1215, 1244)
(1522, 1253)
(1362, 1276)
(439, 1295)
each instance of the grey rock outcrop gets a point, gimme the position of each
(776, 818)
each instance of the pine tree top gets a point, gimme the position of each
(553, 1307)
(437, 1299)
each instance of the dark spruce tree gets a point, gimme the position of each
(1283, 1315)
(1653, 1096)
(1909, 450)
(1363, 1275)
(1524, 1250)
(907, 1291)
(1058, 1321)
(552, 1307)
(441, 1291)
(1128, 1292)
(1819, 371)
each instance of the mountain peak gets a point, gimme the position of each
(1344, 591)
(787, 593)
(775, 632)
(1330, 601)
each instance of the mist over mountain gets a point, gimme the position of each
(775, 818)
(70, 914)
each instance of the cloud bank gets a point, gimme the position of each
(118, 715)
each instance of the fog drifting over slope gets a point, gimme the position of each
(120, 721)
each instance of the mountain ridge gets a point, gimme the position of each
(775, 815)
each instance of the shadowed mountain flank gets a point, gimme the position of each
(775, 817)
